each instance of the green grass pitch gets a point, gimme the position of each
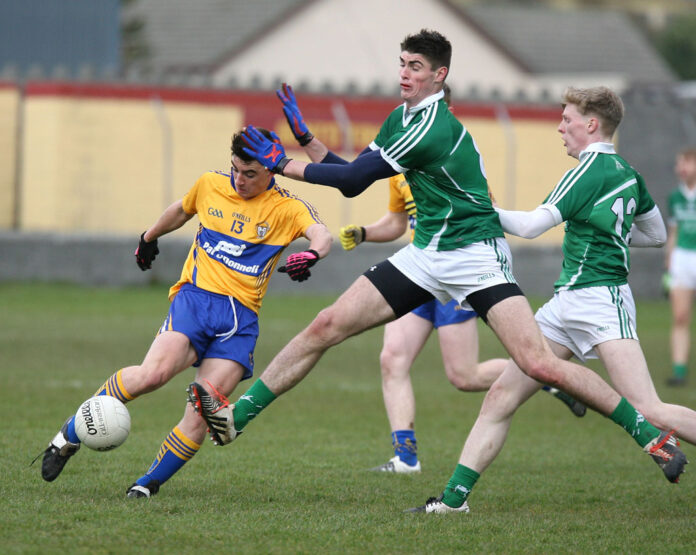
(296, 481)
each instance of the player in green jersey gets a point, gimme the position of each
(606, 208)
(457, 332)
(458, 252)
(680, 261)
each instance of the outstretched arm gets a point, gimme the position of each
(351, 178)
(389, 227)
(529, 224)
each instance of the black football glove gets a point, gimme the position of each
(146, 253)
(297, 265)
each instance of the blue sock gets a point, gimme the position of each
(175, 451)
(404, 442)
(72, 434)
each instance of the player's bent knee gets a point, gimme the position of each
(394, 364)
(326, 328)
(540, 369)
(498, 403)
(681, 320)
(464, 377)
(464, 382)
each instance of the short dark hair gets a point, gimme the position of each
(238, 144)
(433, 46)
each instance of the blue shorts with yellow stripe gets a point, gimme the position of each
(217, 326)
(443, 314)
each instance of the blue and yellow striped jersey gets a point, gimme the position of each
(239, 241)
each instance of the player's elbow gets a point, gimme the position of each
(529, 232)
(661, 240)
(351, 191)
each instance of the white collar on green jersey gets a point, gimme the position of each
(424, 103)
(689, 194)
(602, 148)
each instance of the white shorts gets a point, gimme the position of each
(580, 319)
(682, 268)
(457, 273)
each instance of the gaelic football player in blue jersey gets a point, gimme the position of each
(680, 261)
(245, 222)
(458, 252)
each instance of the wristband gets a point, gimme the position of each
(280, 166)
(305, 139)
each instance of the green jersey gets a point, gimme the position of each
(682, 213)
(444, 169)
(598, 200)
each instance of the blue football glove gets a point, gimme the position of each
(270, 154)
(294, 116)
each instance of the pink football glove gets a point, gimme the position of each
(297, 265)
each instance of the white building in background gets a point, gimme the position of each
(356, 44)
(353, 45)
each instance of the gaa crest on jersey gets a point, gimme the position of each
(262, 229)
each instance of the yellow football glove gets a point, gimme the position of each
(411, 206)
(351, 236)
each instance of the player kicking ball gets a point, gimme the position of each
(246, 221)
(459, 252)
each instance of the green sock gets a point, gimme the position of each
(634, 423)
(257, 398)
(460, 485)
(679, 370)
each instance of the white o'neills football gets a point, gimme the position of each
(102, 423)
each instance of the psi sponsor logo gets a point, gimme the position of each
(225, 252)
(224, 247)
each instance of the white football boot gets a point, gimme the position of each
(435, 505)
(396, 466)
